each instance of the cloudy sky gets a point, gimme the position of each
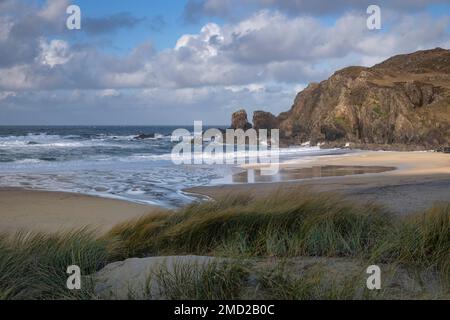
(173, 62)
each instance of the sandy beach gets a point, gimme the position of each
(57, 211)
(407, 163)
(420, 180)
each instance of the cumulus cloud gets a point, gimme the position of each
(267, 46)
(54, 52)
(258, 61)
(22, 26)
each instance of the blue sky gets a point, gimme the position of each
(173, 62)
(125, 40)
(170, 11)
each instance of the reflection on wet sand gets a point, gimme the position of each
(254, 175)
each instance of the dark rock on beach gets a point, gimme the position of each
(444, 149)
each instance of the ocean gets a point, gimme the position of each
(109, 161)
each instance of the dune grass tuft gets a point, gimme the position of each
(285, 224)
(282, 225)
(313, 284)
(421, 240)
(291, 224)
(252, 280)
(33, 265)
(190, 281)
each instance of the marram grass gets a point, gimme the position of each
(283, 224)
(280, 226)
(33, 265)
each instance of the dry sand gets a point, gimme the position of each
(407, 163)
(56, 211)
(420, 180)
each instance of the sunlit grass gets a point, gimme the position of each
(33, 265)
(281, 226)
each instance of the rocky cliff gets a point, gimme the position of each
(404, 100)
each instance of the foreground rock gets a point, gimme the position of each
(131, 279)
(403, 100)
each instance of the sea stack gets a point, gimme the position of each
(239, 120)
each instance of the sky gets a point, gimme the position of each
(140, 62)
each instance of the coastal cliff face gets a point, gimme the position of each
(404, 100)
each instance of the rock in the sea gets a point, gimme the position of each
(239, 120)
(143, 136)
(135, 278)
(264, 120)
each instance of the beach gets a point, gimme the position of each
(420, 180)
(328, 233)
(42, 211)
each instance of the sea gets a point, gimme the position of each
(110, 161)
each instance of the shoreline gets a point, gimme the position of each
(419, 180)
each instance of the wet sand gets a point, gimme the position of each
(420, 180)
(58, 211)
(291, 174)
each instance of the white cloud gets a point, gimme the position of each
(54, 10)
(106, 93)
(265, 47)
(205, 43)
(16, 78)
(6, 94)
(258, 62)
(6, 25)
(55, 52)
